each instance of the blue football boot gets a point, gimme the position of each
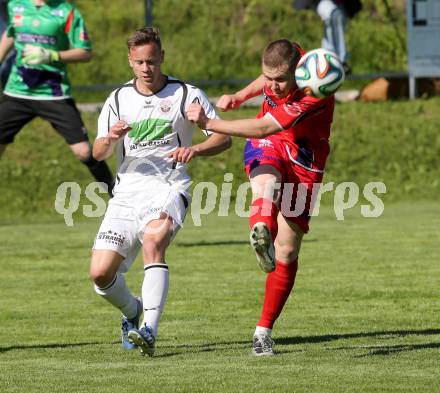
(130, 324)
(144, 339)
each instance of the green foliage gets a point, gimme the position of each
(375, 42)
(394, 142)
(34, 166)
(397, 143)
(109, 24)
(224, 39)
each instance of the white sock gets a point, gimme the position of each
(118, 294)
(263, 331)
(154, 293)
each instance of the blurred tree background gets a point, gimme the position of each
(395, 142)
(219, 39)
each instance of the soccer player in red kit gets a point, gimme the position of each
(284, 158)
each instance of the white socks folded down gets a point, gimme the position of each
(154, 294)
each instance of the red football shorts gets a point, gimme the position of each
(299, 181)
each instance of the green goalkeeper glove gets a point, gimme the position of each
(37, 55)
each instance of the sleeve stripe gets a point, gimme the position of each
(69, 21)
(117, 98)
(117, 102)
(114, 112)
(108, 122)
(182, 104)
(275, 120)
(184, 95)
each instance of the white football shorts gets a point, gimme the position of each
(123, 226)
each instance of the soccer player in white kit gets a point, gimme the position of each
(151, 195)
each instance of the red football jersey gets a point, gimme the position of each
(305, 123)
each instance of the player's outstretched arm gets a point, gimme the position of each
(233, 101)
(75, 55)
(38, 55)
(215, 144)
(246, 128)
(103, 147)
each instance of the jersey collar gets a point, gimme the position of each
(152, 94)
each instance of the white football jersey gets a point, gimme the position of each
(158, 126)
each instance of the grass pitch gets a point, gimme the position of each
(363, 316)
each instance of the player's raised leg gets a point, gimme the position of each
(279, 283)
(156, 239)
(265, 181)
(110, 285)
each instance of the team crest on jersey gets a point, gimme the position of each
(165, 106)
(35, 23)
(18, 20)
(84, 36)
(264, 143)
(18, 10)
(292, 108)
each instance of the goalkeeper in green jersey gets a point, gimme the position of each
(5, 67)
(46, 34)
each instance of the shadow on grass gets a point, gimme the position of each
(184, 349)
(215, 243)
(52, 346)
(334, 337)
(168, 350)
(225, 243)
(392, 349)
(375, 349)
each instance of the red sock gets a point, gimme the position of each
(279, 284)
(265, 210)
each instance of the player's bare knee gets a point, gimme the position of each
(100, 277)
(99, 274)
(152, 248)
(268, 189)
(286, 251)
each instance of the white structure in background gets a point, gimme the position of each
(423, 20)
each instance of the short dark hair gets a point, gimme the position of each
(144, 36)
(281, 52)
